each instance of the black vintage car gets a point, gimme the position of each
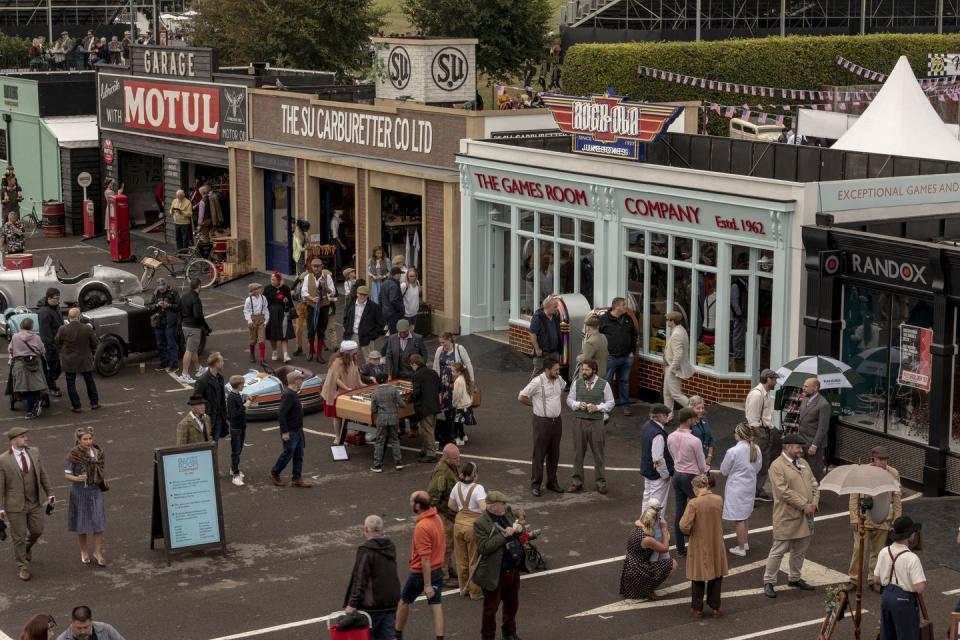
(124, 328)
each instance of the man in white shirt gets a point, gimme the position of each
(676, 361)
(256, 315)
(590, 398)
(901, 580)
(543, 394)
(656, 463)
(758, 411)
(24, 491)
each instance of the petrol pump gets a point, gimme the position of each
(118, 226)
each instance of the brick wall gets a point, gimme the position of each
(242, 181)
(434, 246)
(713, 390)
(360, 216)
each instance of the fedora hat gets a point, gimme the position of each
(196, 399)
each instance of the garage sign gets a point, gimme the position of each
(200, 112)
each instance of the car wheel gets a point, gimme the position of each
(108, 358)
(94, 296)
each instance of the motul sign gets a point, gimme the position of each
(888, 269)
(200, 112)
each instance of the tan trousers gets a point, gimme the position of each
(673, 391)
(448, 547)
(875, 539)
(257, 329)
(798, 553)
(26, 527)
(465, 548)
(428, 438)
(300, 325)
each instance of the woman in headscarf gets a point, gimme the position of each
(740, 465)
(29, 380)
(706, 560)
(85, 469)
(283, 317)
(647, 564)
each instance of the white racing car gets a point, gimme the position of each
(98, 287)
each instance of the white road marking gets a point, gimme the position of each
(814, 573)
(786, 627)
(74, 246)
(946, 593)
(4, 636)
(217, 313)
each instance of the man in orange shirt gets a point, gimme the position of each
(426, 557)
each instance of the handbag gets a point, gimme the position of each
(104, 486)
(476, 395)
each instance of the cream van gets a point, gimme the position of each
(745, 130)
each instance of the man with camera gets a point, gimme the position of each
(166, 315)
(24, 490)
(501, 552)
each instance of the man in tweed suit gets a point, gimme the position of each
(24, 490)
(385, 404)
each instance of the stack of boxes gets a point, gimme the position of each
(232, 257)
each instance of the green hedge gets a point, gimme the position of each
(14, 52)
(794, 62)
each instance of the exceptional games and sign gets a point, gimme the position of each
(608, 124)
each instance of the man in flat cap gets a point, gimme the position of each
(24, 490)
(497, 533)
(795, 498)
(363, 321)
(875, 533)
(656, 462)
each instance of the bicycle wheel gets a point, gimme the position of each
(203, 269)
(29, 225)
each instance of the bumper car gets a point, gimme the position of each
(264, 389)
(12, 318)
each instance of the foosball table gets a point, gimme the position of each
(354, 407)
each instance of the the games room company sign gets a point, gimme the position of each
(199, 112)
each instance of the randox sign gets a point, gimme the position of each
(204, 113)
(887, 269)
(608, 124)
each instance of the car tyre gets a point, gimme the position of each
(94, 296)
(108, 358)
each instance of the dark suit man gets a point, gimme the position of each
(814, 425)
(398, 349)
(24, 490)
(426, 401)
(77, 344)
(363, 321)
(391, 299)
(210, 385)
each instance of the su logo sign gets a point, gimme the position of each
(449, 68)
(398, 67)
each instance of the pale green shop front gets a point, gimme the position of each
(27, 143)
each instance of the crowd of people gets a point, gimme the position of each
(67, 53)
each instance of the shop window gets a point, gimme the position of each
(955, 421)
(739, 315)
(401, 230)
(740, 258)
(586, 231)
(585, 265)
(764, 318)
(682, 249)
(707, 253)
(566, 268)
(526, 220)
(886, 339)
(635, 287)
(765, 263)
(499, 214)
(525, 285)
(636, 240)
(659, 243)
(546, 224)
(568, 228)
(706, 331)
(545, 271)
(656, 307)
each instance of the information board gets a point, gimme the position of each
(187, 496)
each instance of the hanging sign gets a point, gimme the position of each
(943, 64)
(916, 363)
(610, 125)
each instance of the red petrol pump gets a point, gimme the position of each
(89, 226)
(118, 227)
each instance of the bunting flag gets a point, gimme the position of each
(927, 85)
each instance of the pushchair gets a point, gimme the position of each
(16, 397)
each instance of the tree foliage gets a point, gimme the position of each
(510, 31)
(327, 35)
(14, 52)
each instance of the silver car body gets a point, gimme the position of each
(27, 287)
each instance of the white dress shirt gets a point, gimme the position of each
(606, 406)
(357, 314)
(22, 455)
(758, 407)
(909, 571)
(657, 446)
(545, 395)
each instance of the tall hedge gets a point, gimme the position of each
(793, 62)
(14, 52)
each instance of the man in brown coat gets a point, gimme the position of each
(24, 490)
(77, 343)
(795, 498)
(195, 426)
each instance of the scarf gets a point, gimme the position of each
(93, 467)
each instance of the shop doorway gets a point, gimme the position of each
(500, 273)
(338, 220)
(401, 232)
(142, 180)
(278, 207)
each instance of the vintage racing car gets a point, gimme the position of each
(101, 285)
(264, 389)
(123, 328)
(12, 318)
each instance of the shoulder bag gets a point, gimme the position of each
(476, 387)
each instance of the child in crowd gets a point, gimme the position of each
(255, 312)
(385, 404)
(462, 401)
(373, 366)
(237, 417)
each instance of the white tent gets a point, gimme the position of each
(901, 122)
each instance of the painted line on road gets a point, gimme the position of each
(73, 246)
(4, 636)
(951, 593)
(217, 313)
(786, 627)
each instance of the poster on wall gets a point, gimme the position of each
(916, 363)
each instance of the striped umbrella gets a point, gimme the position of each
(832, 373)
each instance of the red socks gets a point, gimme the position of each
(263, 351)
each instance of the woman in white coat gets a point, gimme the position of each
(740, 465)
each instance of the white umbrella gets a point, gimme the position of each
(864, 479)
(832, 373)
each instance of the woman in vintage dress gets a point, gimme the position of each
(647, 564)
(85, 470)
(740, 465)
(280, 328)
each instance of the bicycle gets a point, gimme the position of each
(31, 221)
(178, 267)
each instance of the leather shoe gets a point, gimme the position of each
(769, 591)
(802, 585)
(536, 492)
(717, 613)
(277, 481)
(511, 636)
(24, 575)
(555, 487)
(696, 614)
(302, 484)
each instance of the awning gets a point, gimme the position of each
(74, 132)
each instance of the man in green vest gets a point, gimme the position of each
(590, 397)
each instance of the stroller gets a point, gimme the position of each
(16, 397)
(11, 324)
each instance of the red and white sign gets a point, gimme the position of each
(108, 151)
(185, 110)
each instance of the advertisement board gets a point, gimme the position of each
(199, 112)
(916, 362)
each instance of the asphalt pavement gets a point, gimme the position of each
(290, 551)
